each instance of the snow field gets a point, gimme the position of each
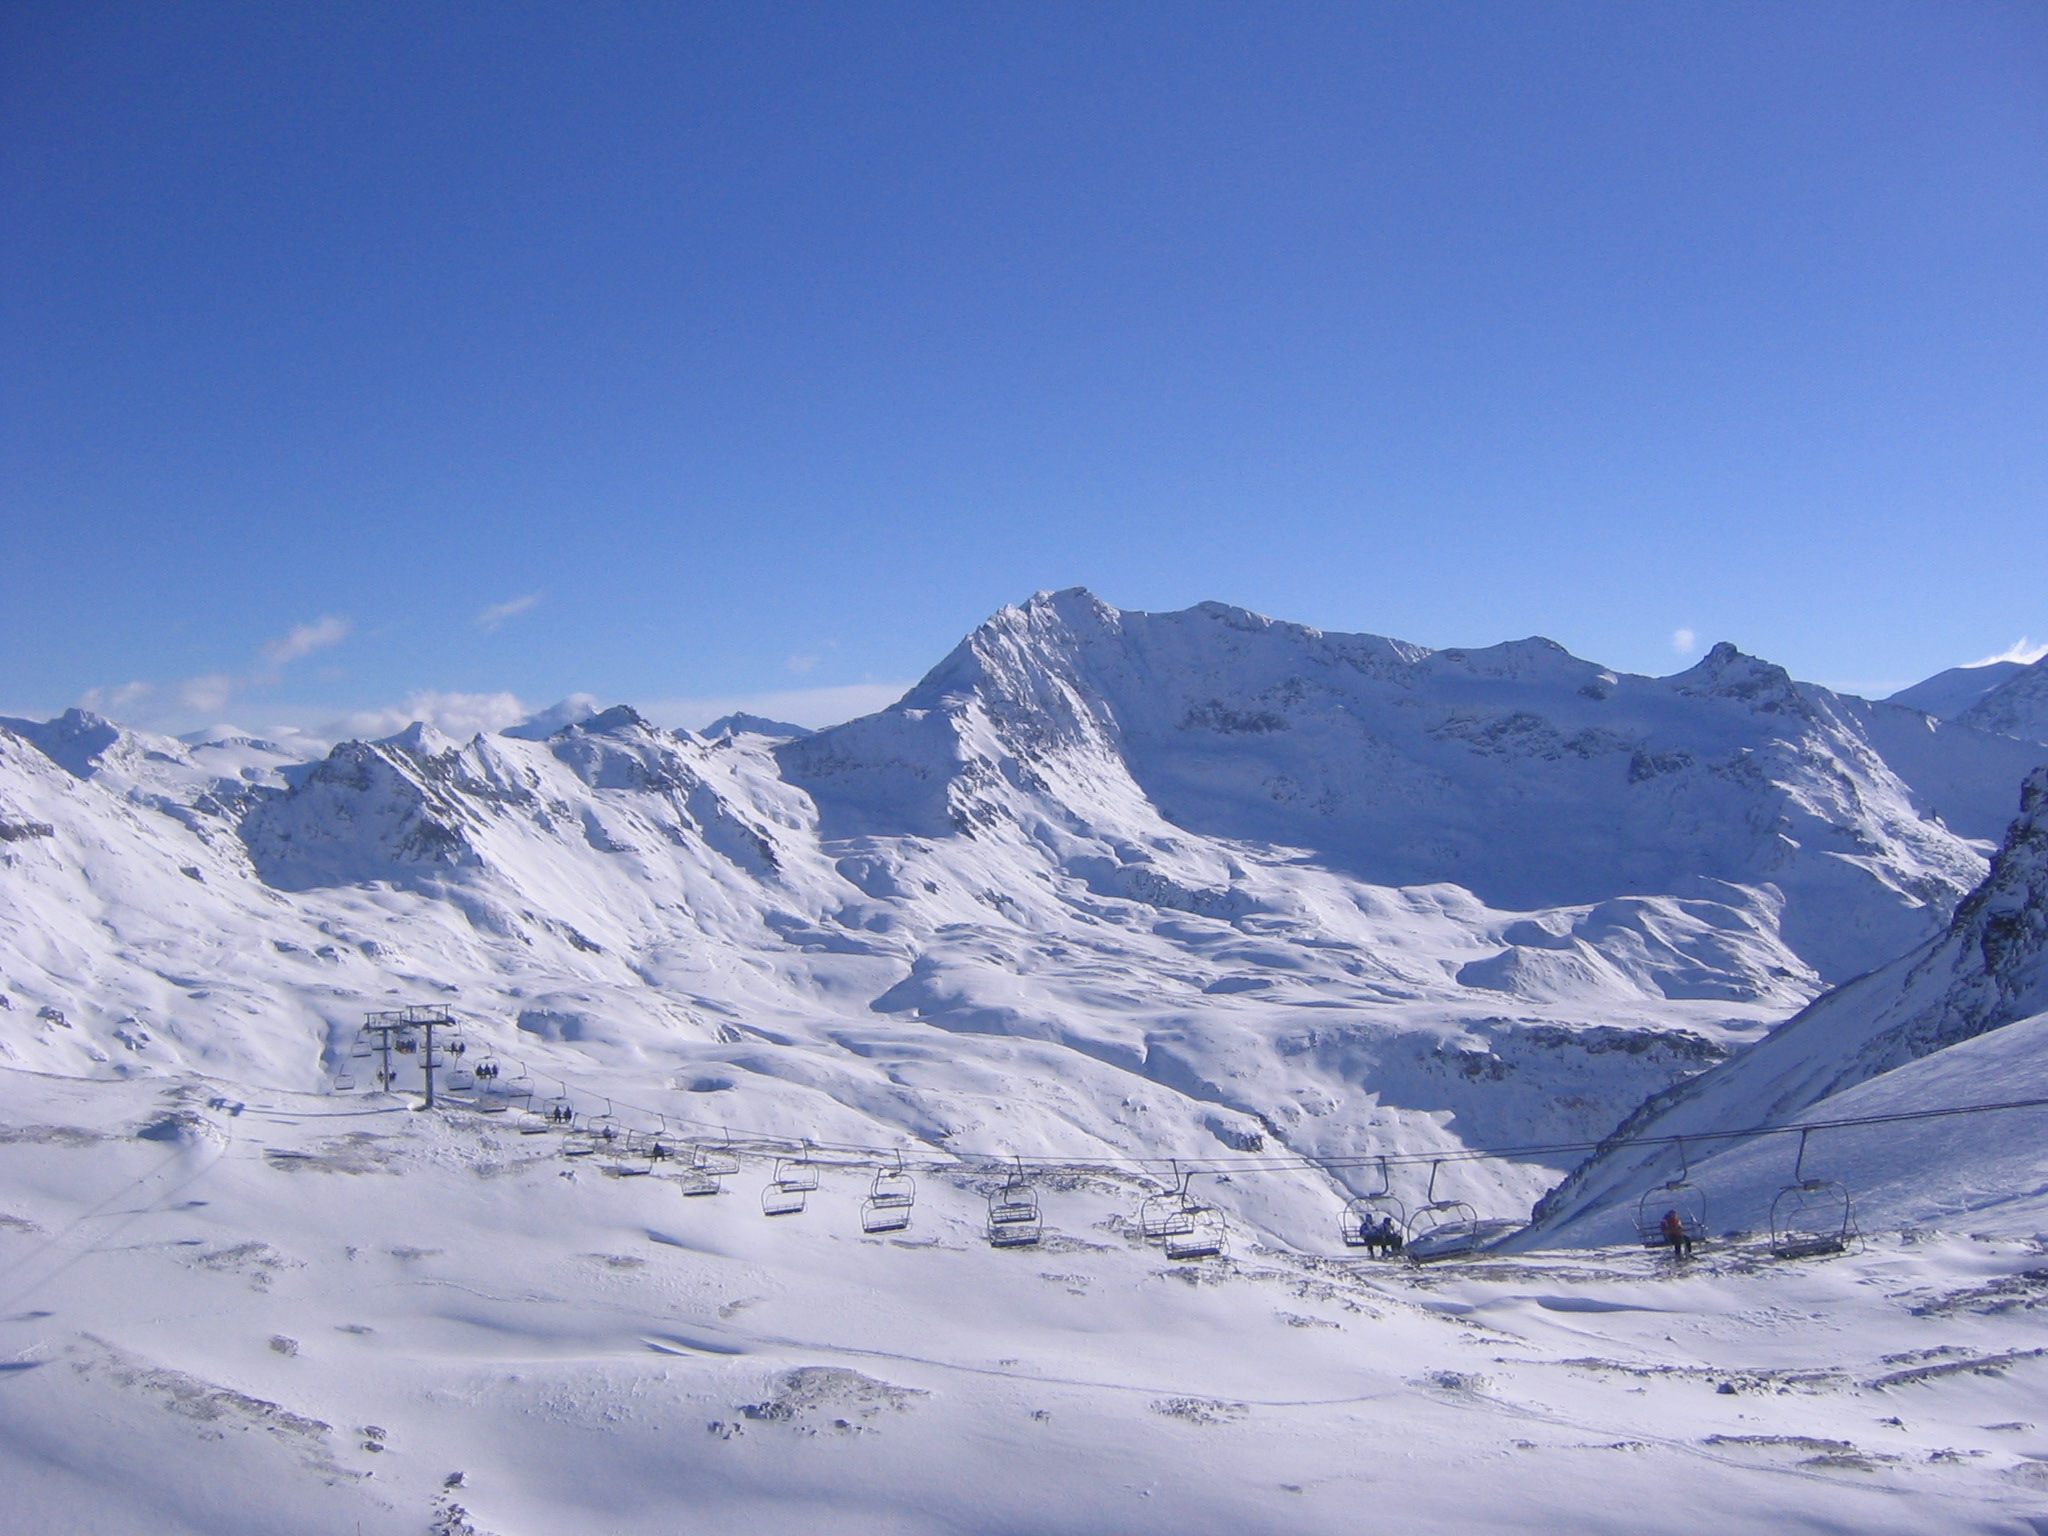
(201, 1332)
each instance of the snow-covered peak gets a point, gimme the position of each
(740, 723)
(75, 741)
(1728, 673)
(2018, 706)
(1947, 694)
(1527, 775)
(421, 739)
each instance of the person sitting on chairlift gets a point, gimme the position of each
(1676, 1235)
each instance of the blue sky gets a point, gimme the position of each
(681, 353)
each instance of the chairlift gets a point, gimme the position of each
(717, 1162)
(1170, 1213)
(1015, 1203)
(1678, 1197)
(1014, 1233)
(344, 1081)
(1811, 1217)
(893, 1189)
(461, 1079)
(1442, 1229)
(406, 1046)
(779, 1199)
(798, 1175)
(1204, 1238)
(875, 1217)
(1377, 1222)
(1013, 1215)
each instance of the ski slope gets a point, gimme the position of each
(288, 1314)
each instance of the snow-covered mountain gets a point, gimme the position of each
(2006, 698)
(2018, 706)
(1151, 883)
(1518, 772)
(1947, 694)
(1962, 1019)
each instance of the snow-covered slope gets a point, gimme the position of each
(227, 1314)
(1947, 694)
(2016, 707)
(1942, 1020)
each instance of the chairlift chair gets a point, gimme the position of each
(1015, 1203)
(344, 1081)
(1013, 1216)
(1204, 1238)
(702, 1177)
(893, 1189)
(1014, 1233)
(1441, 1229)
(718, 1161)
(1811, 1217)
(798, 1175)
(875, 1217)
(779, 1199)
(1678, 1197)
(1377, 1222)
(461, 1079)
(1170, 1213)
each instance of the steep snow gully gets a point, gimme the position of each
(1108, 897)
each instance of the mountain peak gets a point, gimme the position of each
(75, 741)
(740, 723)
(1727, 672)
(420, 739)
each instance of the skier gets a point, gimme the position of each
(1676, 1235)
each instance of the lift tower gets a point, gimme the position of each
(410, 1031)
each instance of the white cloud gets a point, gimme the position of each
(209, 694)
(304, 639)
(212, 692)
(493, 618)
(813, 707)
(801, 663)
(101, 700)
(2022, 650)
(1684, 641)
